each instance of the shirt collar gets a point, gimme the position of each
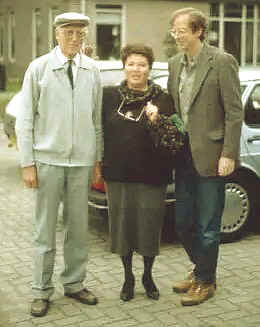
(194, 61)
(64, 59)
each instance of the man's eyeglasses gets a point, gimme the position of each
(175, 33)
(130, 115)
(69, 34)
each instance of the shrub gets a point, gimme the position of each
(13, 86)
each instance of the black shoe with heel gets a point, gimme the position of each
(151, 290)
(127, 292)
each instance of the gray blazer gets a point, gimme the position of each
(216, 114)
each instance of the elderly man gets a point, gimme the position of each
(204, 84)
(60, 138)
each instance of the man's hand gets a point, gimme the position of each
(30, 176)
(151, 112)
(226, 166)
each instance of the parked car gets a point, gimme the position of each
(243, 186)
(111, 74)
(112, 71)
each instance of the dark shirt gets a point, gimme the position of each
(130, 153)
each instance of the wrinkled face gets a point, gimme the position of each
(137, 71)
(185, 38)
(70, 39)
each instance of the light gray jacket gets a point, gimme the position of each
(57, 125)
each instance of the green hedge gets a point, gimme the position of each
(13, 86)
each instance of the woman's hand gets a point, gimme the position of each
(151, 112)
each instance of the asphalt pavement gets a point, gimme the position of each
(236, 303)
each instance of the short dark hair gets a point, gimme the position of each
(197, 20)
(138, 48)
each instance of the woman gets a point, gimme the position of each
(136, 171)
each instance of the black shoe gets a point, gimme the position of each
(39, 307)
(151, 290)
(127, 292)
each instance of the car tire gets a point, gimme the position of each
(240, 206)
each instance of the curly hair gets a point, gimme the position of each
(140, 49)
(197, 20)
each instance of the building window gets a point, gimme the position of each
(36, 33)
(53, 12)
(236, 28)
(11, 36)
(233, 10)
(109, 31)
(1, 37)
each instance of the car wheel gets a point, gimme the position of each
(239, 206)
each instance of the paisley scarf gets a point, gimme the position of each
(130, 96)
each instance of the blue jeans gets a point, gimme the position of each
(199, 207)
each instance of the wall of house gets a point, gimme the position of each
(143, 20)
(23, 31)
(150, 23)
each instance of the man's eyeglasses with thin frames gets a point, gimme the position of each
(69, 34)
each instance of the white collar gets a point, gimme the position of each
(64, 59)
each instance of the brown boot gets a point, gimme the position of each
(39, 307)
(184, 285)
(84, 296)
(198, 293)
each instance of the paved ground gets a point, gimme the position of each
(236, 304)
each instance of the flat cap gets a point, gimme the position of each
(71, 18)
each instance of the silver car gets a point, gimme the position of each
(243, 186)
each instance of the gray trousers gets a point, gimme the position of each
(70, 185)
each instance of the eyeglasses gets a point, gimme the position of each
(69, 34)
(175, 33)
(130, 115)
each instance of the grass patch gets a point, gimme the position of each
(12, 87)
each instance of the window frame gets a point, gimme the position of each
(36, 22)
(222, 19)
(2, 37)
(112, 9)
(11, 36)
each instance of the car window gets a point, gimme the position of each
(252, 108)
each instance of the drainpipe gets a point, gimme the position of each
(83, 6)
